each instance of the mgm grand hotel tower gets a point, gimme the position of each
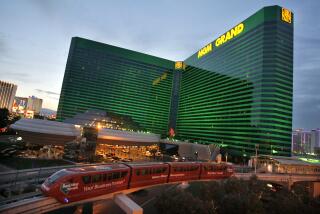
(235, 92)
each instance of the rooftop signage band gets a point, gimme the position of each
(222, 39)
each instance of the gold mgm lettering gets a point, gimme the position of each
(286, 15)
(162, 77)
(230, 34)
(205, 50)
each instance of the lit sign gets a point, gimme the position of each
(222, 39)
(286, 15)
(205, 50)
(163, 77)
(230, 34)
(179, 65)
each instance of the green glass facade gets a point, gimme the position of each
(236, 92)
(240, 93)
(105, 77)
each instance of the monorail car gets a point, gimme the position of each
(74, 184)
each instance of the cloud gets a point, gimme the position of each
(47, 92)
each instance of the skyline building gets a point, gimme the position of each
(306, 141)
(315, 141)
(27, 106)
(34, 104)
(235, 92)
(301, 142)
(7, 94)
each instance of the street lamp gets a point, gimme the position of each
(256, 158)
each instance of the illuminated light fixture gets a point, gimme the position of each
(99, 126)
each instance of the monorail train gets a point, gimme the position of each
(74, 184)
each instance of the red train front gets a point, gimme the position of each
(69, 185)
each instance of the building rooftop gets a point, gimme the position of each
(292, 160)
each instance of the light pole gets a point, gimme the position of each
(256, 159)
(226, 157)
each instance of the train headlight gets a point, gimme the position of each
(66, 200)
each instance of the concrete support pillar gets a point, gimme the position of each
(290, 184)
(87, 208)
(315, 189)
(127, 205)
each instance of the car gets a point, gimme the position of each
(182, 171)
(144, 174)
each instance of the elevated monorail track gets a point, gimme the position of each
(16, 178)
(42, 204)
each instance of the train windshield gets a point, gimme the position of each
(53, 178)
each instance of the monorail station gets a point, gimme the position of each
(286, 165)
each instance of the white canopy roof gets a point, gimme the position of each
(110, 134)
(46, 127)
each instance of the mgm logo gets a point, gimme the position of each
(286, 15)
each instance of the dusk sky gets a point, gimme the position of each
(35, 36)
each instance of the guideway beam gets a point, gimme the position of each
(126, 204)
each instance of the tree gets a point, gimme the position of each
(238, 196)
(4, 117)
(182, 202)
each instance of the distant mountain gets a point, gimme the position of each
(47, 112)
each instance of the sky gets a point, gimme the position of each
(35, 37)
